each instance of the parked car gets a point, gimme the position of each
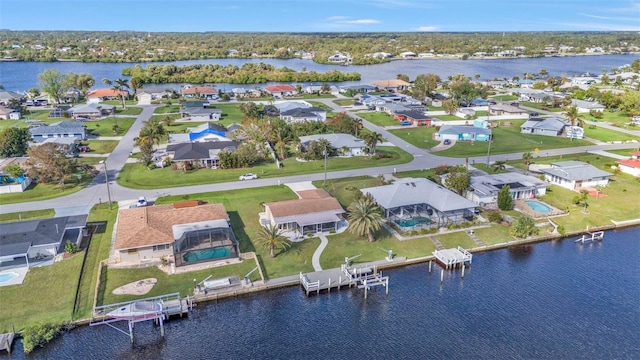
(248, 176)
(405, 123)
(533, 115)
(84, 148)
(447, 142)
(142, 201)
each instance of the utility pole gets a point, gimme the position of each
(106, 181)
(324, 183)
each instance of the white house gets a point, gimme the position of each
(631, 166)
(485, 188)
(346, 144)
(587, 106)
(575, 175)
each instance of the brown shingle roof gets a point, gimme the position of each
(152, 225)
(394, 83)
(303, 206)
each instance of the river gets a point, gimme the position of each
(555, 300)
(20, 76)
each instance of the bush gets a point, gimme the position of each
(71, 247)
(561, 230)
(494, 216)
(38, 335)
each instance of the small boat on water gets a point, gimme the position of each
(137, 310)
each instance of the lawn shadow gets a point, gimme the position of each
(238, 227)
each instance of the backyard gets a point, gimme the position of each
(421, 137)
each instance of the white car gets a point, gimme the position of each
(248, 176)
(142, 201)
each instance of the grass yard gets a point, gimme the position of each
(138, 177)
(27, 215)
(319, 104)
(46, 295)
(505, 97)
(38, 191)
(344, 102)
(447, 117)
(495, 234)
(129, 111)
(346, 189)
(379, 118)
(321, 96)
(455, 239)
(606, 135)
(101, 146)
(616, 118)
(421, 137)
(167, 109)
(541, 106)
(119, 102)
(508, 139)
(623, 152)
(104, 127)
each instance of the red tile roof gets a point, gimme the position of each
(634, 163)
(280, 88)
(200, 90)
(107, 92)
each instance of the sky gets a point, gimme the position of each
(321, 15)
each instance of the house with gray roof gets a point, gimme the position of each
(551, 126)
(463, 133)
(303, 114)
(7, 96)
(587, 106)
(64, 129)
(35, 241)
(575, 175)
(412, 204)
(91, 111)
(201, 113)
(206, 153)
(345, 144)
(485, 188)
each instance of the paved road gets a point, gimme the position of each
(96, 192)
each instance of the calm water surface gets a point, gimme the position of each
(20, 76)
(556, 300)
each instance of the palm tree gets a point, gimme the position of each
(527, 159)
(364, 217)
(584, 196)
(372, 141)
(572, 114)
(120, 85)
(499, 165)
(271, 238)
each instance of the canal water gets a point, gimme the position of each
(20, 76)
(552, 300)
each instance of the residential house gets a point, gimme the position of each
(303, 114)
(575, 175)
(64, 129)
(201, 113)
(419, 203)
(393, 85)
(632, 165)
(508, 110)
(312, 89)
(147, 95)
(60, 111)
(9, 184)
(185, 233)
(100, 95)
(345, 144)
(280, 90)
(462, 133)
(314, 211)
(485, 188)
(587, 106)
(551, 126)
(91, 111)
(7, 96)
(202, 133)
(7, 113)
(363, 89)
(205, 152)
(408, 55)
(465, 113)
(200, 92)
(339, 58)
(38, 241)
(418, 118)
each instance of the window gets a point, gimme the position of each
(161, 247)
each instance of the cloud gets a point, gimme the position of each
(427, 28)
(345, 20)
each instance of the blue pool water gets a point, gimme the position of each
(8, 276)
(414, 221)
(538, 206)
(206, 254)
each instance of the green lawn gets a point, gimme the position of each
(314, 96)
(623, 152)
(132, 110)
(422, 173)
(319, 104)
(38, 191)
(541, 106)
(104, 127)
(27, 215)
(119, 102)
(508, 139)
(344, 102)
(421, 137)
(616, 118)
(138, 177)
(379, 118)
(167, 109)
(495, 234)
(455, 239)
(346, 189)
(606, 135)
(101, 146)
(505, 97)
(448, 117)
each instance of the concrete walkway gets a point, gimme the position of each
(315, 260)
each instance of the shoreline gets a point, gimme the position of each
(294, 280)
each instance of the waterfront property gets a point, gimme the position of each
(631, 166)
(280, 90)
(393, 85)
(100, 95)
(345, 144)
(36, 242)
(575, 175)
(203, 92)
(485, 188)
(419, 203)
(185, 232)
(314, 211)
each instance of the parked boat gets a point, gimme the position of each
(138, 310)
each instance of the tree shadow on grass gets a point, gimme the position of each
(238, 227)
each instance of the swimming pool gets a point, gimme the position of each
(206, 254)
(414, 221)
(538, 206)
(8, 276)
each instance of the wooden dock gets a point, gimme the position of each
(593, 237)
(453, 257)
(6, 341)
(364, 276)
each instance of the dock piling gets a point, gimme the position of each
(441, 276)
(463, 267)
